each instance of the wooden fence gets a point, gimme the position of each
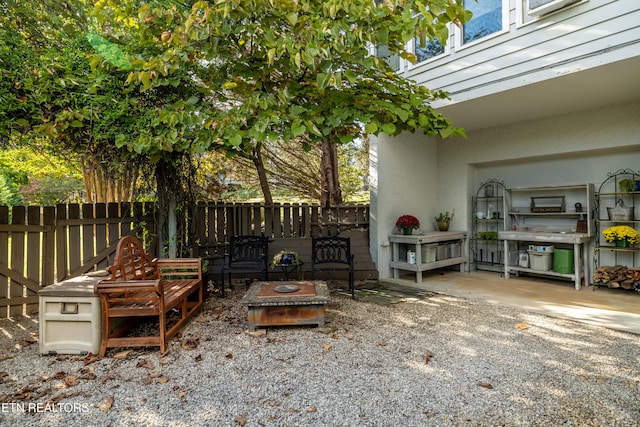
(214, 223)
(42, 245)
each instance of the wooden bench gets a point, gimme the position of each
(140, 287)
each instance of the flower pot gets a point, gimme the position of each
(407, 230)
(622, 243)
(287, 259)
(443, 225)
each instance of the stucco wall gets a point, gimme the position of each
(403, 181)
(412, 174)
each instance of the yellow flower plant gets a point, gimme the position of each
(621, 232)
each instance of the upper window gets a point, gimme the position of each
(428, 50)
(487, 19)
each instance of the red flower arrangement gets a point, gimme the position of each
(408, 221)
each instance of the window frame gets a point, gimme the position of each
(412, 49)
(459, 32)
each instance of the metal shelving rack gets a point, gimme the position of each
(608, 194)
(486, 248)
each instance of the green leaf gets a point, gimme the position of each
(323, 80)
(389, 128)
(371, 128)
(271, 54)
(297, 128)
(235, 140)
(403, 114)
(292, 18)
(383, 36)
(423, 120)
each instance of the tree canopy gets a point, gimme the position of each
(277, 70)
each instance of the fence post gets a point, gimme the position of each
(33, 253)
(4, 259)
(17, 258)
(49, 245)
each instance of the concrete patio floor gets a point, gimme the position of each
(612, 308)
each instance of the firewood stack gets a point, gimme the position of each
(617, 276)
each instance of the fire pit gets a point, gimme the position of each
(286, 303)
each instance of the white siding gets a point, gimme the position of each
(578, 37)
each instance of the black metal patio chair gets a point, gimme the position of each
(247, 255)
(332, 254)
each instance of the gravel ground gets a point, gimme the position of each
(437, 361)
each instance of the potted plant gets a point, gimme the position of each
(443, 220)
(284, 258)
(621, 235)
(626, 185)
(287, 261)
(406, 223)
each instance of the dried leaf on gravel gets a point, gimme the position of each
(427, 357)
(147, 380)
(485, 385)
(241, 420)
(123, 354)
(107, 377)
(198, 358)
(90, 358)
(71, 380)
(163, 379)
(229, 355)
(382, 343)
(88, 376)
(59, 375)
(144, 364)
(312, 409)
(182, 395)
(521, 326)
(189, 343)
(326, 347)
(106, 404)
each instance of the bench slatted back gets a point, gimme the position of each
(132, 262)
(179, 268)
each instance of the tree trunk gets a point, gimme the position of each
(331, 193)
(168, 189)
(262, 175)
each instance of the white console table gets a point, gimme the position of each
(419, 241)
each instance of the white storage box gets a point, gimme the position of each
(70, 317)
(541, 261)
(429, 253)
